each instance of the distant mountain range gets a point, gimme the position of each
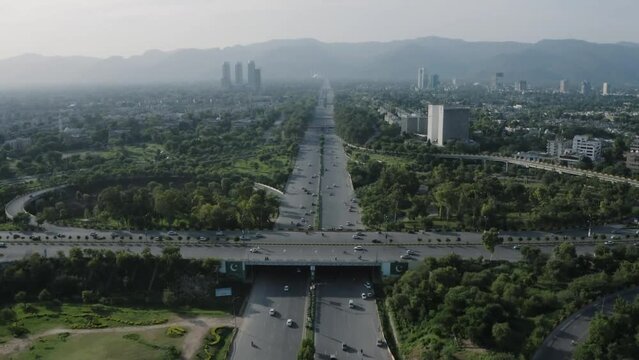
(541, 63)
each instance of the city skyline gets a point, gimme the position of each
(110, 29)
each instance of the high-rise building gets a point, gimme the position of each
(497, 81)
(420, 78)
(605, 90)
(250, 73)
(632, 157)
(586, 88)
(226, 75)
(447, 123)
(433, 81)
(563, 86)
(521, 86)
(257, 73)
(586, 146)
(409, 123)
(239, 74)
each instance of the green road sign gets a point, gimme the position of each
(398, 268)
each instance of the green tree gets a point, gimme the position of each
(491, 239)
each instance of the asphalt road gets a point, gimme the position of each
(337, 323)
(296, 247)
(560, 344)
(339, 206)
(266, 337)
(297, 209)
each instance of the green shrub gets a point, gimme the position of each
(18, 330)
(175, 331)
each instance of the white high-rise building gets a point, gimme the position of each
(605, 89)
(563, 86)
(447, 123)
(421, 76)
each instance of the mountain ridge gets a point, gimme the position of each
(541, 63)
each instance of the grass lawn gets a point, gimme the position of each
(152, 344)
(82, 316)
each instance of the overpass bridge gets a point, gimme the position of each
(518, 161)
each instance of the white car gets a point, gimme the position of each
(368, 285)
(202, 238)
(172, 233)
(289, 322)
(271, 312)
(358, 248)
(356, 237)
(609, 242)
(285, 287)
(410, 252)
(3, 245)
(515, 247)
(219, 233)
(351, 304)
(363, 296)
(404, 256)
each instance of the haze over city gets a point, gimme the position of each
(319, 179)
(106, 28)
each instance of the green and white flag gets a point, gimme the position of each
(235, 268)
(398, 268)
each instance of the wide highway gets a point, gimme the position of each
(339, 206)
(344, 330)
(267, 336)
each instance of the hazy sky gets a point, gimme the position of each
(126, 27)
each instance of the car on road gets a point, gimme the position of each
(363, 296)
(358, 248)
(271, 312)
(253, 250)
(369, 295)
(333, 357)
(380, 342)
(219, 233)
(3, 245)
(244, 237)
(93, 235)
(609, 242)
(515, 247)
(368, 285)
(259, 235)
(202, 238)
(289, 322)
(344, 346)
(351, 304)
(285, 287)
(359, 233)
(404, 257)
(348, 223)
(172, 233)
(410, 252)
(356, 237)
(375, 241)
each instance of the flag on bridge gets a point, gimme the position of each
(235, 268)
(398, 268)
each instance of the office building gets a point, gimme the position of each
(433, 82)
(521, 86)
(497, 81)
(584, 145)
(226, 75)
(257, 74)
(586, 88)
(605, 89)
(447, 123)
(409, 123)
(558, 147)
(239, 74)
(632, 157)
(250, 73)
(563, 86)
(421, 74)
